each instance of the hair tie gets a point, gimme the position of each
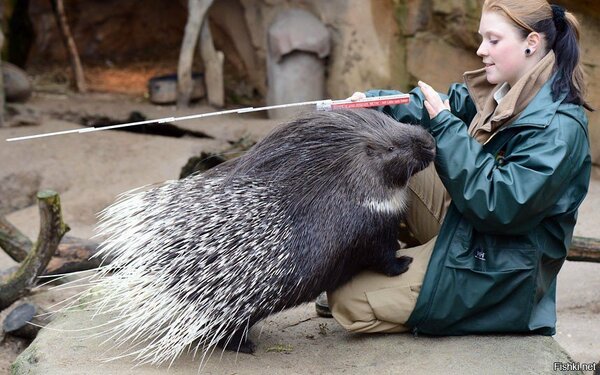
(558, 16)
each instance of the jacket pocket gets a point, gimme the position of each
(493, 257)
(490, 285)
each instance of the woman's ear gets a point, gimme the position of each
(534, 41)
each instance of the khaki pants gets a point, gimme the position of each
(373, 302)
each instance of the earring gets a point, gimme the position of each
(527, 51)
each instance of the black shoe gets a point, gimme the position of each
(322, 306)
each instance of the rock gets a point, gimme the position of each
(307, 351)
(457, 22)
(22, 115)
(23, 321)
(298, 42)
(414, 16)
(590, 56)
(297, 30)
(369, 54)
(17, 86)
(231, 35)
(18, 190)
(444, 62)
(299, 77)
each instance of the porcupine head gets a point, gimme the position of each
(196, 262)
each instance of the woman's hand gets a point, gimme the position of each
(433, 102)
(357, 96)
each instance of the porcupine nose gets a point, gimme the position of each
(424, 146)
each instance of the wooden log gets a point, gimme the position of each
(74, 255)
(15, 243)
(196, 13)
(213, 67)
(584, 249)
(67, 38)
(52, 229)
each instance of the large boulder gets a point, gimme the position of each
(298, 342)
(17, 86)
(298, 42)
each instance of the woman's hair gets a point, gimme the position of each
(561, 31)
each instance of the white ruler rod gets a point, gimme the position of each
(320, 105)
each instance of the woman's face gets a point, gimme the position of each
(502, 49)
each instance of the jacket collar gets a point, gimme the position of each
(538, 112)
(542, 108)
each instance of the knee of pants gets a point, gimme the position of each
(358, 308)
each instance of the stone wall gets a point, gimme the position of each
(376, 43)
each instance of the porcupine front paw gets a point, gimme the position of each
(397, 266)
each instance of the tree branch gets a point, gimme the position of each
(15, 243)
(196, 13)
(213, 67)
(584, 249)
(69, 42)
(52, 228)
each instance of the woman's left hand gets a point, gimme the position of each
(433, 102)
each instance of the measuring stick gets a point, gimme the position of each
(321, 105)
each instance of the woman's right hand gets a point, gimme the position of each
(357, 96)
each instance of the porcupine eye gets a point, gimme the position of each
(391, 148)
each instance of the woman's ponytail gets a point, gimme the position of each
(568, 66)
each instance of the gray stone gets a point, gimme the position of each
(297, 30)
(17, 190)
(438, 63)
(18, 114)
(17, 323)
(17, 86)
(298, 342)
(298, 77)
(295, 69)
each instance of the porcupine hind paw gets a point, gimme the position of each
(396, 266)
(238, 343)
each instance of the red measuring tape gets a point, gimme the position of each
(376, 101)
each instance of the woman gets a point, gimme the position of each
(496, 213)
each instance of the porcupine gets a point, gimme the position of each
(198, 261)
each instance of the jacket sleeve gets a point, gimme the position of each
(414, 112)
(514, 196)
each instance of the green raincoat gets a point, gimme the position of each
(514, 205)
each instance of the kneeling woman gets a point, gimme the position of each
(495, 215)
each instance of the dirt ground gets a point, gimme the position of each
(89, 170)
